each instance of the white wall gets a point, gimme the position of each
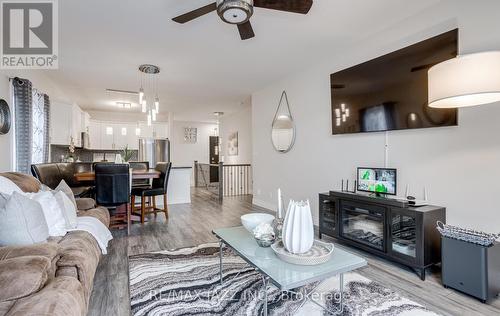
(241, 122)
(458, 165)
(184, 154)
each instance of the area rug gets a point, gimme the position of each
(186, 282)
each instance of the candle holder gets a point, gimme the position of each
(278, 228)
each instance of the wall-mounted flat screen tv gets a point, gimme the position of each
(391, 92)
(377, 180)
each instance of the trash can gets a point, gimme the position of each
(471, 268)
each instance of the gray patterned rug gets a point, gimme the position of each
(186, 282)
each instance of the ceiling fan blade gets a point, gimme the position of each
(195, 13)
(295, 6)
(246, 30)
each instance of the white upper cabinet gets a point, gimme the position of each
(66, 121)
(95, 134)
(69, 121)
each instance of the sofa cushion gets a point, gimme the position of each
(79, 249)
(63, 296)
(48, 250)
(100, 212)
(23, 276)
(22, 222)
(84, 204)
(26, 183)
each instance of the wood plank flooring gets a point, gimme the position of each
(192, 224)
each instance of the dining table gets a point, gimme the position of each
(137, 174)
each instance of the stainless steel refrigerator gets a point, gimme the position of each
(154, 150)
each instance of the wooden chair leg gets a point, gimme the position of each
(165, 206)
(143, 208)
(132, 204)
(128, 217)
(154, 204)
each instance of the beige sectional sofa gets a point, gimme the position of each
(51, 278)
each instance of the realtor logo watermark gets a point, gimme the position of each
(29, 34)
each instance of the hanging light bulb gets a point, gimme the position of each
(157, 105)
(144, 106)
(153, 114)
(149, 118)
(141, 95)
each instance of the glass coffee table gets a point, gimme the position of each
(285, 276)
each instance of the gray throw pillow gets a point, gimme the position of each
(23, 222)
(64, 187)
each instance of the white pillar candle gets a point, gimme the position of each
(279, 203)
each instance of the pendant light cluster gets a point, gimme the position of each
(148, 93)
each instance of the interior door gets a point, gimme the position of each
(214, 158)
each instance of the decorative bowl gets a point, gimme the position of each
(252, 220)
(265, 240)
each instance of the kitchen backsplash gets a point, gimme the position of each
(59, 153)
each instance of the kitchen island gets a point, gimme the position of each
(179, 185)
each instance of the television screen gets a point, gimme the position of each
(377, 180)
(391, 92)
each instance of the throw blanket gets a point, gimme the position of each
(97, 229)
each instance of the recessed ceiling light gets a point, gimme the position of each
(125, 105)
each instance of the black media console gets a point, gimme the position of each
(385, 227)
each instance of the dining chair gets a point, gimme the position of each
(112, 189)
(143, 166)
(159, 187)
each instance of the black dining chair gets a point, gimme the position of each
(159, 187)
(112, 189)
(139, 165)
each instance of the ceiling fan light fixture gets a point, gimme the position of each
(235, 11)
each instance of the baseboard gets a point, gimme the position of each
(260, 203)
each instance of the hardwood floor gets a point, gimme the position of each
(191, 224)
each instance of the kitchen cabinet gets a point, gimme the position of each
(95, 134)
(67, 121)
(106, 135)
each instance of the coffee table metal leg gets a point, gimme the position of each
(221, 245)
(340, 310)
(265, 280)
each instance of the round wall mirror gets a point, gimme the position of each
(283, 128)
(5, 118)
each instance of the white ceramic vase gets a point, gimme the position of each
(298, 229)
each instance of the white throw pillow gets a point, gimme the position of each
(8, 187)
(53, 213)
(64, 187)
(22, 222)
(68, 208)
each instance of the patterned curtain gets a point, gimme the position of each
(46, 112)
(23, 95)
(38, 128)
(32, 123)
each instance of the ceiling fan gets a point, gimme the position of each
(239, 12)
